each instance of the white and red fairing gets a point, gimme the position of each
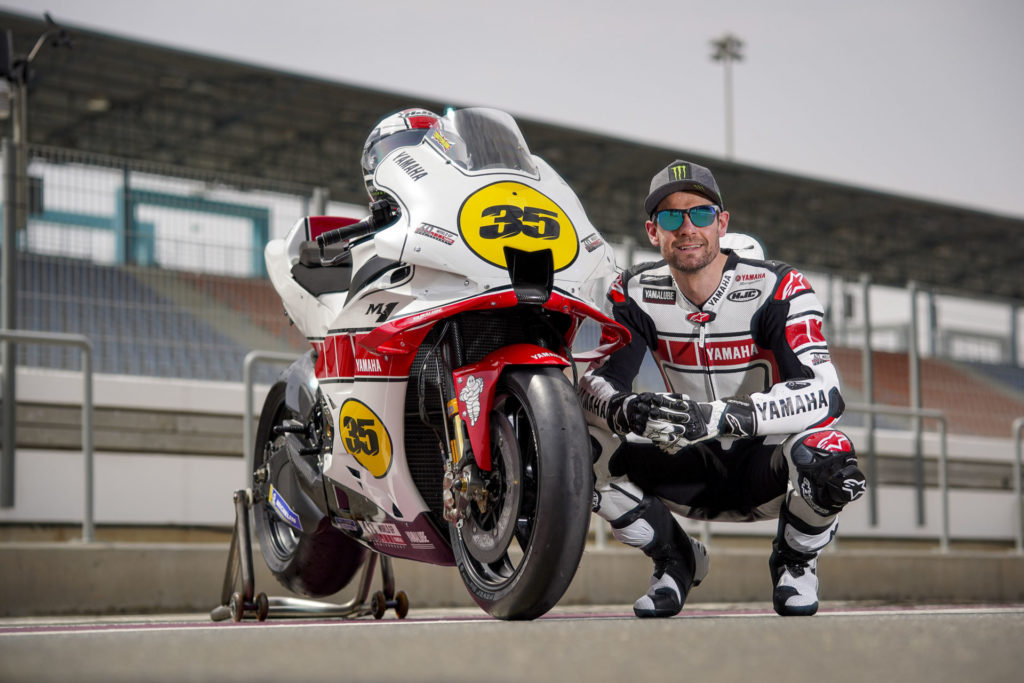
(436, 275)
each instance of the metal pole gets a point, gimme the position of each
(321, 195)
(727, 50)
(729, 145)
(868, 379)
(830, 328)
(943, 485)
(1015, 357)
(83, 342)
(914, 359)
(943, 453)
(1018, 427)
(247, 381)
(844, 315)
(933, 325)
(8, 321)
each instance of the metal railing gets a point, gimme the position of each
(1016, 432)
(251, 359)
(878, 409)
(83, 342)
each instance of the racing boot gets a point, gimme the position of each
(794, 564)
(669, 585)
(680, 562)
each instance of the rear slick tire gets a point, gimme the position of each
(518, 557)
(314, 564)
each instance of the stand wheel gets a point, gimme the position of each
(378, 604)
(262, 606)
(401, 604)
(237, 606)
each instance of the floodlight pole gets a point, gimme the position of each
(726, 50)
(16, 72)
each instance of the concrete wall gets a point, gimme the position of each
(71, 578)
(170, 479)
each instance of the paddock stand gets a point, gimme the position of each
(238, 604)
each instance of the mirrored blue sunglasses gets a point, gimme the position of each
(700, 216)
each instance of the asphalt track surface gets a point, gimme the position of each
(705, 643)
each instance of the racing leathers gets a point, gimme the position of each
(757, 345)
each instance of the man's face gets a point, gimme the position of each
(688, 249)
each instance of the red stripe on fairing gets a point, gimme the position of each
(339, 356)
(390, 338)
(403, 335)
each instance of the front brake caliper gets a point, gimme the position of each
(460, 488)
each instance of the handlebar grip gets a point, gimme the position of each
(344, 233)
(380, 215)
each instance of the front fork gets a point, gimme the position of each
(470, 476)
(464, 483)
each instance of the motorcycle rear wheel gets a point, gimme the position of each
(518, 557)
(315, 564)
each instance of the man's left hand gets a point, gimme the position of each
(685, 422)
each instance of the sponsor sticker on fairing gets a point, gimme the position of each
(385, 533)
(283, 510)
(470, 396)
(419, 540)
(346, 524)
(592, 242)
(435, 233)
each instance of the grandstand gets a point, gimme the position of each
(115, 97)
(145, 321)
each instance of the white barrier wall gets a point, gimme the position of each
(172, 489)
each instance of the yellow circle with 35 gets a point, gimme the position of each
(511, 214)
(365, 437)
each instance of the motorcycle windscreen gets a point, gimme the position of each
(479, 138)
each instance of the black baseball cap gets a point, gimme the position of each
(682, 176)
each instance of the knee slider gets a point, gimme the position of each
(828, 477)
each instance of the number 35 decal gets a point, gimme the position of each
(365, 437)
(510, 214)
(511, 220)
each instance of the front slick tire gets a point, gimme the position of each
(518, 557)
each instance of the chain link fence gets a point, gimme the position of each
(163, 268)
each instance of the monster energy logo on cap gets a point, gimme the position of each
(682, 176)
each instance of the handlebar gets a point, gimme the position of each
(380, 215)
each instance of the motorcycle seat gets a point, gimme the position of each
(318, 279)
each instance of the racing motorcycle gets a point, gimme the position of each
(434, 418)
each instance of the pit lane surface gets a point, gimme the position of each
(705, 643)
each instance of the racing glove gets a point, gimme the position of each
(673, 421)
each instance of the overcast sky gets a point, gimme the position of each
(923, 98)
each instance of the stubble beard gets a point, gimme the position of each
(677, 262)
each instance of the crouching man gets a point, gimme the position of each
(752, 399)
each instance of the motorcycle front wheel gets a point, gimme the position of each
(519, 554)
